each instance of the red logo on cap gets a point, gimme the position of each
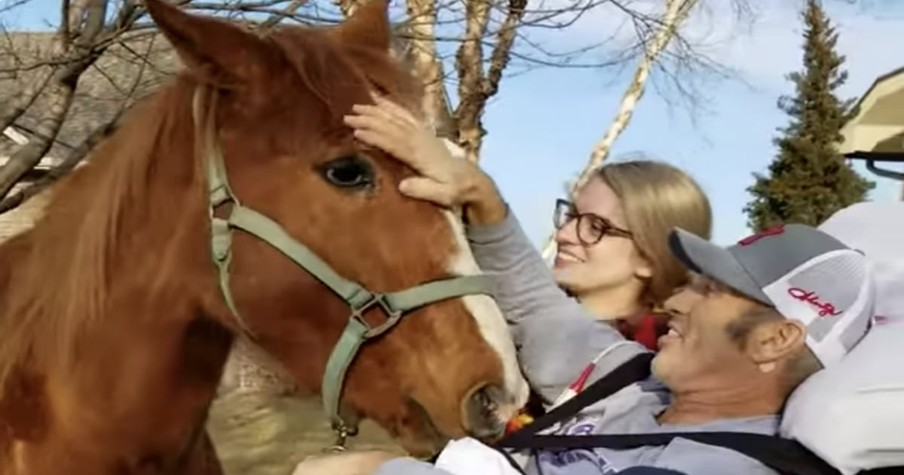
(825, 308)
(773, 231)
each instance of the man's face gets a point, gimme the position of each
(698, 353)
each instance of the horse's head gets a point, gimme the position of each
(274, 106)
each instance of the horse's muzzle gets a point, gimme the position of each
(481, 412)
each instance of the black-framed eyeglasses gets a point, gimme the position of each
(590, 227)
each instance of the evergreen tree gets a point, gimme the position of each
(809, 180)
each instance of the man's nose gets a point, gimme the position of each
(678, 304)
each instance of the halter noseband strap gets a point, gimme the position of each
(358, 298)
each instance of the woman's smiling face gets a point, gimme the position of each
(582, 265)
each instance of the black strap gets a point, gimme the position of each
(634, 370)
(782, 455)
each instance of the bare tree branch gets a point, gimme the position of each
(676, 13)
(68, 164)
(77, 154)
(61, 86)
(466, 45)
(24, 99)
(655, 46)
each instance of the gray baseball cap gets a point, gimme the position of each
(802, 272)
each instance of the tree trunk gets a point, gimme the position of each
(475, 87)
(469, 63)
(676, 12)
(421, 54)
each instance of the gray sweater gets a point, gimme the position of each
(556, 338)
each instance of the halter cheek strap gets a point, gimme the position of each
(395, 305)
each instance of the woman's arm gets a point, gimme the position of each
(407, 466)
(555, 336)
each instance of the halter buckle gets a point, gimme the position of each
(377, 300)
(343, 432)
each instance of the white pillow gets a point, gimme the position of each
(852, 414)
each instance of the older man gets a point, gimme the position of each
(758, 318)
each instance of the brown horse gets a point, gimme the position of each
(118, 309)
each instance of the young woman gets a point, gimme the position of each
(613, 253)
(612, 244)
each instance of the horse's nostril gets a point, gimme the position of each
(481, 412)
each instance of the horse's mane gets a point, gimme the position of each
(56, 278)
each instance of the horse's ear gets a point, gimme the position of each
(368, 26)
(213, 50)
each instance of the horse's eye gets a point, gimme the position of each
(349, 172)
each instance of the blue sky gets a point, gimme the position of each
(543, 124)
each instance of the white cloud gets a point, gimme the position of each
(764, 51)
(773, 48)
(764, 46)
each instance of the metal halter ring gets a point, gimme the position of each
(377, 300)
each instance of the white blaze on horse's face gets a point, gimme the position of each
(490, 321)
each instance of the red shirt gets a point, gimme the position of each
(645, 330)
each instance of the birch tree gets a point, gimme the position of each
(676, 12)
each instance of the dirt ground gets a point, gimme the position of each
(261, 433)
(258, 428)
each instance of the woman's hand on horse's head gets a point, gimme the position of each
(444, 179)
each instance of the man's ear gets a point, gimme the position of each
(774, 340)
(214, 51)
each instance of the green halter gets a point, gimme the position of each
(358, 298)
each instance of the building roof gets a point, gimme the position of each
(146, 59)
(878, 121)
(875, 133)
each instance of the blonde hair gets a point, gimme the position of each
(657, 197)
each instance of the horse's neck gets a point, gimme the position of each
(136, 395)
(145, 368)
(152, 357)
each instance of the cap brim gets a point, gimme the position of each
(715, 262)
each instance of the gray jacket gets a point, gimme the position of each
(556, 338)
